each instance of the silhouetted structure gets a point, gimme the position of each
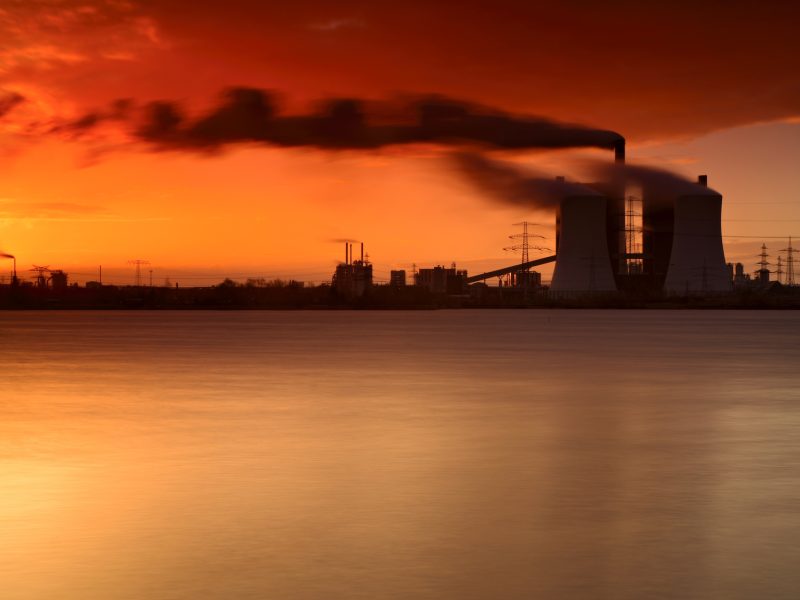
(397, 278)
(740, 278)
(668, 240)
(442, 280)
(58, 279)
(697, 260)
(762, 273)
(511, 269)
(138, 263)
(527, 279)
(353, 278)
(582, 253)
(41, 275)
(789, 262)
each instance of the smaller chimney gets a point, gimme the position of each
(702, 180)
(619, 151)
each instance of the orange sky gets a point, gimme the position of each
(699, 87)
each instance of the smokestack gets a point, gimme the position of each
(702, 180)
(362, 252)
(345, 253)
(351, 253)
(619, 151)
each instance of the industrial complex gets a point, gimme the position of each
(626, 237)
(623, 237)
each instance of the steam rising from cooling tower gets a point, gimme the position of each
(657, 181)
(509, 184)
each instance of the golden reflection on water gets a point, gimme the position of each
(394, 455)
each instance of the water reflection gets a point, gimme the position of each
(554, 454)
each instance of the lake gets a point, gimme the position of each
(392, 455)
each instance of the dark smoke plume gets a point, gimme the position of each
(251, 115)
(119, 110)
(509, 184)
(4, 255)
(8, 100)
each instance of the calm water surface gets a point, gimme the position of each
(426, 455)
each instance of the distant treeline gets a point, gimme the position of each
(253, 294)
(288, 294)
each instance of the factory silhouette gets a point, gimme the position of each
(664, 242)
(669, 239)
(634, 235)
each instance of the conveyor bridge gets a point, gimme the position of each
(511, 269)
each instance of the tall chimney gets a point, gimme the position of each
(362, 252)
(345, 253)
(702, 180)
(619, 151)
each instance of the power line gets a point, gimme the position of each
(138, 263)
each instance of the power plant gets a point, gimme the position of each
(635, 233)
(642, 231)
(353, 278)
(676, 247)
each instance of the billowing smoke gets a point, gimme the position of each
(251, 115)
(655, 183)
(8, 100)
(507, 183)
(5, 255)
(119, 110)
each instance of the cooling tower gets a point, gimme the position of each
(697, 260)
(582, 259)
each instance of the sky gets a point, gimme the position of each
(91, 173)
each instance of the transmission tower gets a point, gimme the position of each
(524, 246)
(138, 263)
(762, 273)
(763, 263)
(789, 280)
(41, 278)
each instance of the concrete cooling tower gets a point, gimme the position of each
(582, 257)
(681, 253)
(697, 260)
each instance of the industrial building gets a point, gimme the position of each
(442, 280)
(643, 231)
(676, 246)
(353, 278)
(397, 278)
(669, 239)
(583, 261)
